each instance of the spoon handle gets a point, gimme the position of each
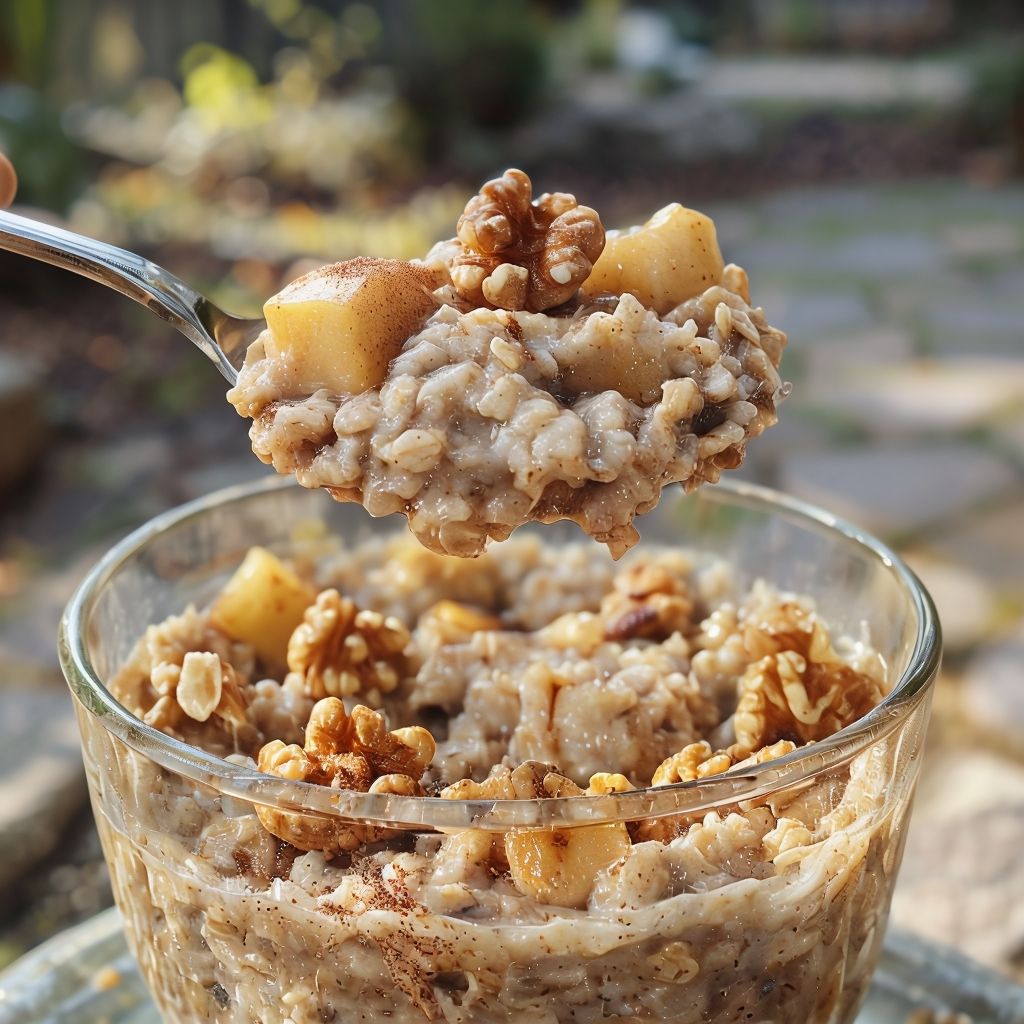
(220, 337)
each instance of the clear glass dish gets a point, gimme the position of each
(86, 974)
(799, 944)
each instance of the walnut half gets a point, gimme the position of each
(799, 687)
(344, 751)
(516, 253)
(341, 651)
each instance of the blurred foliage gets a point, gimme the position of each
(476, 69)
(998, 100)
(273, 129)
(51, 166)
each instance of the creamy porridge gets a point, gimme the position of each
(531, 368)
(545, 672)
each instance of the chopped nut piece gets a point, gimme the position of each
(694, 761)
(506, 287)
(450, 622)
(199, 685)
(788, 834)
(364, 732)
(165, 714)
(648, 601)
(341, 651)
(398, 785)
(698, 761)
(497, 786)
(608, 782)
(580, 631)
(344, 752)
(514, 253)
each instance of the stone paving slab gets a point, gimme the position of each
(962, 879)
(984, 325)
(992, 692)
(812, 316)
(985, 240)
(831, 367)
(837, 80)
(886, 255)
(899, 488)
(1009, 433)
(991, 542)
(42, 783)
(967, 605)
(953, 394)
(28, 626)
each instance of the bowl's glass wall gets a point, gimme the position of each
(227, 926)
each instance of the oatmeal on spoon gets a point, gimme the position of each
(533, 368)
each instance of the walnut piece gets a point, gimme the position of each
(532, 780)
(341, 651)
(798, 688)
(788, 835)
(786, 696)
(580, 631)
(203, 685)
(647, 601)
(208, 686)
(698, 761)
(344, 751)
(517, 253)
(451, 622)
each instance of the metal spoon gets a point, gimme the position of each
(218, 335)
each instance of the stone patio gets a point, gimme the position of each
(906, 319)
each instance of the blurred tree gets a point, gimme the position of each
(997, 104)
(27, 53)
(49, 166)
(469, 69)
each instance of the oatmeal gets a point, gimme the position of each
(547, 673)
(531, 368)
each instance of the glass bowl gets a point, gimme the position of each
(310, 942)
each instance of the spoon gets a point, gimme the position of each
(218, 335)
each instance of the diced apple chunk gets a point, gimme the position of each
(262, 604)
(558, 866)
(613, 360)
(340, 326)
(670, 259)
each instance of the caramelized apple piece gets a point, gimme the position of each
(558, 866)
(262, 604)
(614, 361)
(670, 259)
(340, 326)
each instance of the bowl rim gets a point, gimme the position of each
(429, 812)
